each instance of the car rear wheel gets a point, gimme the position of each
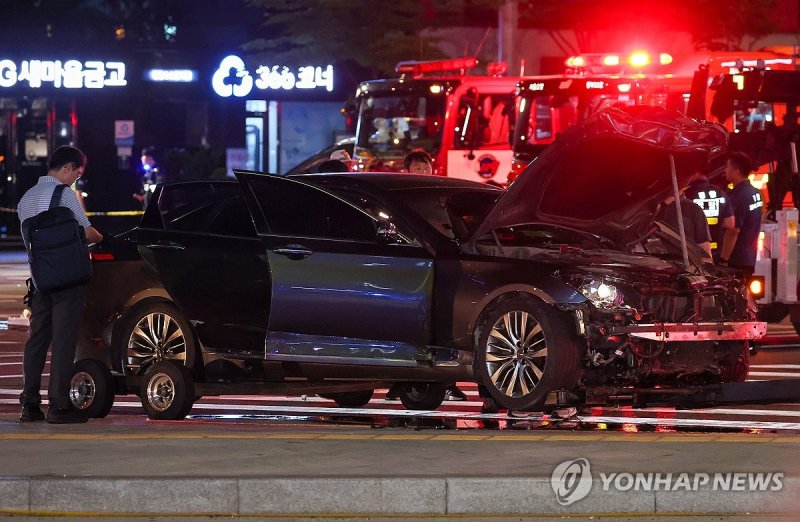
(91, 388)
(156, 332)
(167, 391)
(354, 399)
(422, 395)
(524, 350)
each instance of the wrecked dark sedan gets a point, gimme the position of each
(339, 284)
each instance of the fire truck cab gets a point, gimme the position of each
(462, 121)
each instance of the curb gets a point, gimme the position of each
(366, 496)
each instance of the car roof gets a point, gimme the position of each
(395, 181)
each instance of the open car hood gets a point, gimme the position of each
(608, 174)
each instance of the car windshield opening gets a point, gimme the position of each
(454, 213)
(389, 125)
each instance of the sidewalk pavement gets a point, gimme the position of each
(127, 465)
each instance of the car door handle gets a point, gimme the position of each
(165, 245)
(294, 251)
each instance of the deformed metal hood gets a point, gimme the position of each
(608, 174)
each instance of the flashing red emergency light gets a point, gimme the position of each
(611, 60)
(576, 61)
(435, 66)
(496, 68)
(615, 62)
(639, 59)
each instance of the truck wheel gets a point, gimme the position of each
(422, 395)
(354, 399)
(167, 391)
(91, 388)
(525, 349)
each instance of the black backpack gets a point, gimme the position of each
(57, 251)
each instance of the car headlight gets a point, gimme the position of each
(601, 294)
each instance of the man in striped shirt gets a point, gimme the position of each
(55, 316)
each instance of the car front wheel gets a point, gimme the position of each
(525, 350)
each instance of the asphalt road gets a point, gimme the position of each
(767, 364)
(299, 456)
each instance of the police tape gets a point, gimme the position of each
(117, 213)
(112, 213)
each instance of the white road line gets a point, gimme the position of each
(18, 376)
(696, 423)
(712, 411)
(773, 374)
(784, 366)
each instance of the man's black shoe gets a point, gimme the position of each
(31, 413)
(65, 416)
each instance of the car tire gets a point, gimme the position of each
(91, 388)
(422, 395)
(548, 354)
(143, 340)
(167, 391)
(354, 399)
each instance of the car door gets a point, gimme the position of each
(339, 295)
(203, 244)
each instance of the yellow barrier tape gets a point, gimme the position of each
(109, 213)
(117, 213)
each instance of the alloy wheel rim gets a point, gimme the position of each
(82, 390)
(156, 337)
(516, 354)
(160, 392)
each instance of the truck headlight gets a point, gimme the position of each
(601, 294)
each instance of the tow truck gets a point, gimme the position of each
(462, 120)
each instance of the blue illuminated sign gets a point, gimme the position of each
(232, 78)
(171, 75)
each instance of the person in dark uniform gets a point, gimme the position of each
(742, 219)
(694, 222)
(712, 200)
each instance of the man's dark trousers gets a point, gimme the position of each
(55, 318)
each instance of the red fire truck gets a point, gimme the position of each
(547, 105)
(463, 121)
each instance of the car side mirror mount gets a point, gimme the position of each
(387, 232)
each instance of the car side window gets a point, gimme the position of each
(206, 208)
(294, 209)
